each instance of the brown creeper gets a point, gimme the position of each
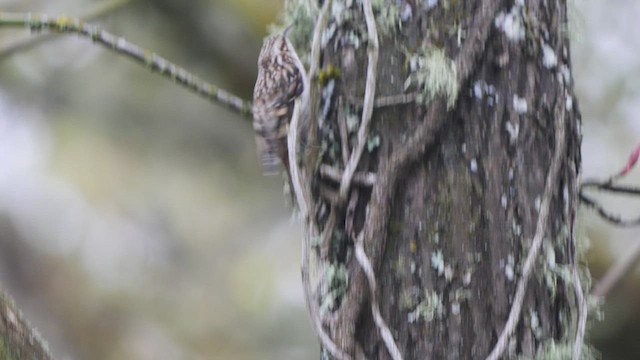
(281, 79)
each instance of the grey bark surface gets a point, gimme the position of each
(449, 221)
(18, 340)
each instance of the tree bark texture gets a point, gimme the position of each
(460, 178)
(18, 340)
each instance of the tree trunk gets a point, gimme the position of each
(461, 164)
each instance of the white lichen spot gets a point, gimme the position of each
(513, 130)
(503, 201)
(327, 34)
(478, 89)
(568, 103)
(448, 272)
(517, 229)
(473, 166)
(412, 267)
(427, 309)
(436, 238)
(510, 174)
(12, 319)
(466, 278)
(429, 4)
(566, 73)
(338, 11)
(519, 104)
(551, 257)
(455, 308)
(536, 203)
(437, 262)
(549, 58)
(353, 121)
(464, 148)
(509, 268)
(535, 324)
(511, 23)
(406, 13)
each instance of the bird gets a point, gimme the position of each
(281, 80)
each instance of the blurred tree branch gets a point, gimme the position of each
(624, 265)
(151, 60)
(215, 34)
(609, 186)
(27, 42)
(18, 340)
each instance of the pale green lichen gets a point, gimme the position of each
(297, 14)
(437, 261)
(387, 16)
(434, 74)
(335, 282)
(373, 143)
(554, 350)
(427, 309)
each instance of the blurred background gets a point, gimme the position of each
(134, 220)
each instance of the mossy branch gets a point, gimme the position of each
(119, 45)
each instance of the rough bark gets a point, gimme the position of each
(450, 219)
(18, 340)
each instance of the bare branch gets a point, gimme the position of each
(369, 97)
(28, 42)
(359, 178)
(612, 218)
(608, 186)
(304, 108)
(582, 312)
(616, 272)
(385, 333)
(151, 60)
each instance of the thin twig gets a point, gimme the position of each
(344, 133)
(98, 11)
(359, 178)
(612, 218)
(570, 213)
(151, 60)
(582, 313)
(607, 186)
(350, 168)
(386, 101)
(385, 333)
(617, 272)
(369, 96)
(306, 108)
(543, 217)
